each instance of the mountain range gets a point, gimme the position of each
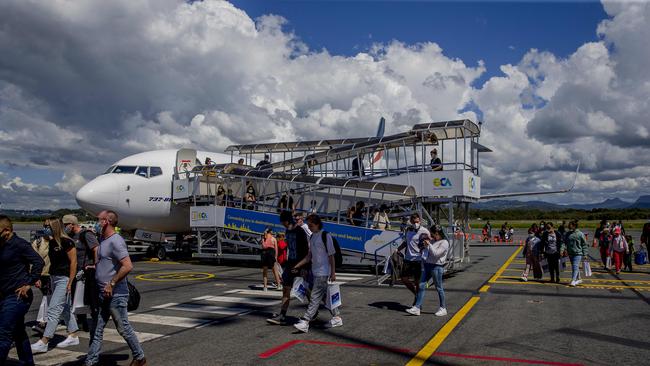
(610, 203)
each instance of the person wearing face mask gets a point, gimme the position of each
(112, 266)
(86, 244)
(250, 198)
(436, 163)
(618, 247)
(63, 269)
(20, 268)
(412, 267)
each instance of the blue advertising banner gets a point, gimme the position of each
(350, 238)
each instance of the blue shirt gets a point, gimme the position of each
(16, 257)
(109, 254)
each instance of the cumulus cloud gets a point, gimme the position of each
(88, 82)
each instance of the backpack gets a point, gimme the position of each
(338, 257)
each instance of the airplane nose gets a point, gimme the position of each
(99, 194)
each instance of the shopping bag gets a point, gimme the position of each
(564, 263)
(42, 310)
(298, 290)
(278, 268)
(640, 257)
(544, 264)
(78, 305)
(608, 263)
(587, 268)
(333, 298)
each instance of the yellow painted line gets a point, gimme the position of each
(588, 279)
(505, 265)
(582, 285)
(423, 355)
(175, 276)
(484, 288)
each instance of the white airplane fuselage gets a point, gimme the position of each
(142, 201)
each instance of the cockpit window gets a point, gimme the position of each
(154, 171)
(143, 171)
(124, 169)
(110, 169)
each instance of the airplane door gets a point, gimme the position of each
(185, 161)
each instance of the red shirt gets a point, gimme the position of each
(282, 251)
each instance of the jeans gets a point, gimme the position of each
(60, 304)
(436, 271)
(12, 327)
(115, 307)
(318, 292)
(575, 267)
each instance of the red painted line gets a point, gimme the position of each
(283, 347)
(504, 359)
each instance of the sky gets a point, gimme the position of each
(85, 83)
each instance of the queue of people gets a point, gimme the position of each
(94, 263)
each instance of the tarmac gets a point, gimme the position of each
(195, 313)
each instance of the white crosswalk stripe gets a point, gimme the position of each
(172, 321)
(239, 300)
(201, 308)
(55, 356)
(258, 293)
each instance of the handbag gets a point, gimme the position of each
(333, 299)
(298, 290)
(42, 310)
(134, 297)
(78, 304)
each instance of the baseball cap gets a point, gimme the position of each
(70, 219)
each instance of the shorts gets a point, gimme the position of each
(412, 269)
(268, 257)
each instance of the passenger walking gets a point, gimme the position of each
(86, 244)
(113, 265)
(63, 269)
(323, 267)
(42, 247)
(299, 220)
(602, 239)
(531, 252)
(20, 269)
(412, 267)
(269, 255)
(297, 249)
(552, 249)
(380, 220)
(618, 249)
(434, 257)
(436, 163)
(576, 246)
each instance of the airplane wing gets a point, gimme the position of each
(535, 193)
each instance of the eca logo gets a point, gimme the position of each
(442, 182)
(472, 184)
(199, 216)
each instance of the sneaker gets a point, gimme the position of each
(578, 282)
(70, 341)
(334, 322)
(279, 288)
(277, 319)
(266, 289)
(573, 284)
(302, 326)
(39, 347)
(441, 312)
(414, 311)
(142, 362)
(525, 279)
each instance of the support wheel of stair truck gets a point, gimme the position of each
(160, 252)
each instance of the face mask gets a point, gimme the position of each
(98, 228)
(416, 226)
(47, 231)
(68, 230)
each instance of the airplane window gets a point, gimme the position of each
(110, 169)
(124, 169)
(143, 171)
(155, 171)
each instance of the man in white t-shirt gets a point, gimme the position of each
(412, 268)
(301, 222)
(323, 267)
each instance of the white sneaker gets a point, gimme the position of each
(302, 326)
(39, 347)
(265, 289)
(413, 311)
(525, 279)
(573, 284)
(70, 341)
(279, 288)
(441, 312)
(578, 282)
(334, 322)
